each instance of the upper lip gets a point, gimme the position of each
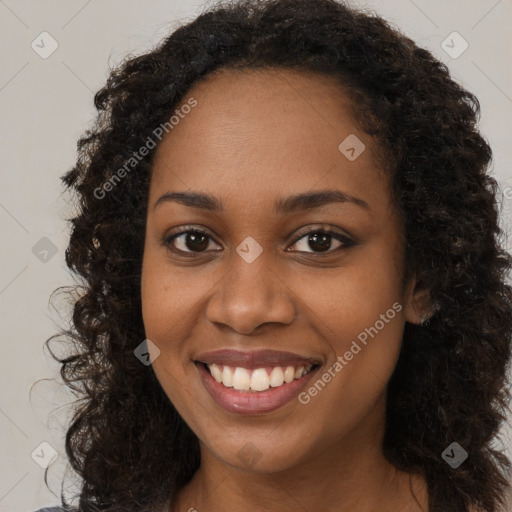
(255, 359)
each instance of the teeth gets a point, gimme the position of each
(276, 377)
(227, 377)
(241, 379)
(257, 379)
(289, 374)
(216, 373)
(260, 380)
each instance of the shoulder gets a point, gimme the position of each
(51, 509)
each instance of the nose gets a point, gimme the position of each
(249, 295)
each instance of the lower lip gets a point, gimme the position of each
(245, 402)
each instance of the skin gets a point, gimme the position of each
(256, 136)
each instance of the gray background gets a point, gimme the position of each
(46, 104)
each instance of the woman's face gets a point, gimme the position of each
(257, 281)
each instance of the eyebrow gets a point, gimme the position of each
(282, 206)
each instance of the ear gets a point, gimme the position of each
(418, 303)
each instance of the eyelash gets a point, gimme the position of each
(347, 242)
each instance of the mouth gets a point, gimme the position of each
(250, 391)
(256, 380)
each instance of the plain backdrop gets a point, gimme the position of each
(46, 103)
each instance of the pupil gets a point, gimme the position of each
(196, 241)
(323, 239)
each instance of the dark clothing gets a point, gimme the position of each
(52, 509)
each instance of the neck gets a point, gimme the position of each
(351, 475)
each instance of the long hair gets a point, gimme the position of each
(126, 440)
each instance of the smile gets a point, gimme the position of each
(258, 379)
(254, 391)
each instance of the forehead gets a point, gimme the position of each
(255, 132)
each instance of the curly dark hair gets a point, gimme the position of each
(126, 440)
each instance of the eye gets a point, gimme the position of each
(321, 240)
(194, 240)
(188, 241)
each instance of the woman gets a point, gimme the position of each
(295, 295)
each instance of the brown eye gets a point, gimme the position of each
(321, 241)
(316, 241)
(193, 240)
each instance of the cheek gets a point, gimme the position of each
(170, 297)
(346, 301)
(172, 302)
(165, 311)
(359, 316)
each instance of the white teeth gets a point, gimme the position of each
(241, 379)
(289, 374)
(258, 379)
(276, 377)
(227, 377)
(216, 373)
